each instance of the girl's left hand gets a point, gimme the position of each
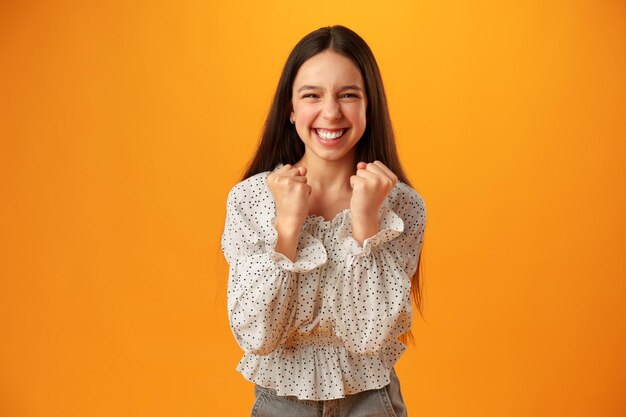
(370, 186)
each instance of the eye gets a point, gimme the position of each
(348, 95)
(309, 95)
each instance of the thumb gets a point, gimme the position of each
(302, 170)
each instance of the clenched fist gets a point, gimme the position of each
(291, 194)
(370, 187)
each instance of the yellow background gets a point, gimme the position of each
(123, 126)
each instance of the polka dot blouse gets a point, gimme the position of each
(326, 325)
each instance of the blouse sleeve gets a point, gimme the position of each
(262, 282)
(372, 305)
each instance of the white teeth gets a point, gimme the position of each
(327, 135)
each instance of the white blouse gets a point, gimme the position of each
(326, 325)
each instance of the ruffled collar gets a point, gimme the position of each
(322, 222)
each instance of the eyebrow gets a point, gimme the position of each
(345, 87)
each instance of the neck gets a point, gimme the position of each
(329, 176)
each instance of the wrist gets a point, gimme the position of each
(286, 228)
(365, 219)
(288, 237)
(287, 223)
(364, 227)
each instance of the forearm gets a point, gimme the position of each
(372, 302)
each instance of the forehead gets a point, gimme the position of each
(328, 69)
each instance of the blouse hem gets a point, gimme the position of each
(349, 371)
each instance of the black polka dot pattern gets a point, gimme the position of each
(326, 325)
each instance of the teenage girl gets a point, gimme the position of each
(323, 237)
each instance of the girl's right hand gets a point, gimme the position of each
(291, 194)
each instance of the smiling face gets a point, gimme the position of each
(329, 106)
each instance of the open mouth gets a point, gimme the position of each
(330, 134)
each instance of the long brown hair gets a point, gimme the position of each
(280, 142)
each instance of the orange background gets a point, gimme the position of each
(124, 126)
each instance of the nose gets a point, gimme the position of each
(331, 109)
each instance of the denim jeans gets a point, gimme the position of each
(383, 402)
